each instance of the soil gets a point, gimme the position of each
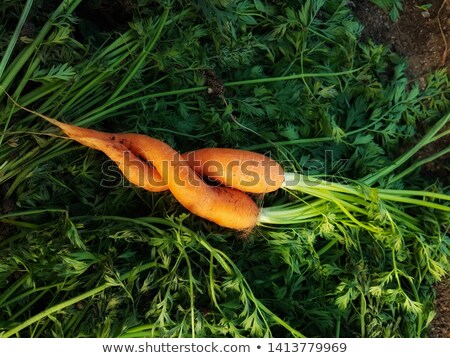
(422, 35)
(440, 327)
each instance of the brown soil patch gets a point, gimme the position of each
(422, 35)
(440, 327)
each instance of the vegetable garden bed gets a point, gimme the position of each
(86, 253)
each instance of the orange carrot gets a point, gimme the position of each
(137, 171)
(240, 169)
(225, 206)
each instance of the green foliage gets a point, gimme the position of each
(79, 258)
(394, 7)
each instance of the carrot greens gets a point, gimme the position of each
(350, 247)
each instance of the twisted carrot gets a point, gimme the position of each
(227, 207)
(155, 166)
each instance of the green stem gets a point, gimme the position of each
(12, 42)
(100, 110)
(418, 164)
(372, 178)
(348, 134)
(106, 111)
(65, 304)
(32, 212)
(91, 118)
(16, 94)
(191, 290)
(67, 6)
(290, 142)
(146, 51)
(12, 288)
(27, 306)
(405, 192)
(30, 292)
(43, 159)
(290, 77)
(414, 201)
(20, 224)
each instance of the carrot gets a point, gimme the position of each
(248, 171)
(239, 169)
(137, 171)
(244, 170)
(226, 207)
